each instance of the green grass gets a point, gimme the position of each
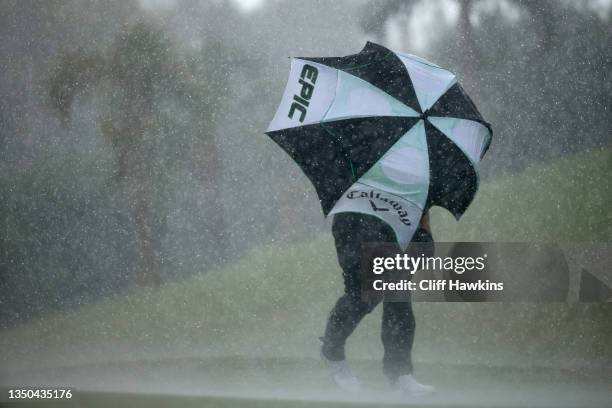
(568, 200)
(273, 301)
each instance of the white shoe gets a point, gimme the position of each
(407, 384)
(341, 374)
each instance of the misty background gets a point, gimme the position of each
(132, 150)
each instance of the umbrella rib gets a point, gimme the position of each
(332, 101)
(369, 63)
(322, 124)
(352, 169)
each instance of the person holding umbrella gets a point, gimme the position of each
(351, 231)
(383, 136)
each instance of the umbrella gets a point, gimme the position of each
(382, 133)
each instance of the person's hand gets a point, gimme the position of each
(425, 223)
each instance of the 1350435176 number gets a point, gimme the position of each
(39, 393)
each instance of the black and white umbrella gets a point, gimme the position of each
(382, 133)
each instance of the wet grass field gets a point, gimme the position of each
(245, 335)
(243, 382)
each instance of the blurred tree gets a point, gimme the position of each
(208, 94)
(545, 16)
(543, 63)
(31, 31)
(150, 85)
(377, 14)
(466, 42)
(546, 68)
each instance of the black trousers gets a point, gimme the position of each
(350, 231)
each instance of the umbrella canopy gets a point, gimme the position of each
(382, 133)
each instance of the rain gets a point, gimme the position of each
(158, 248)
